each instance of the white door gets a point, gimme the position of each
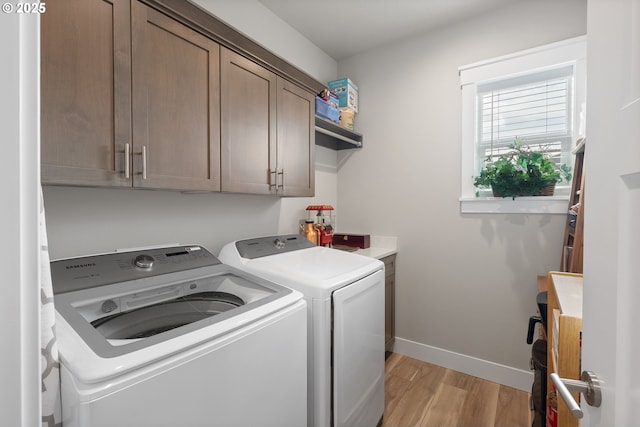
(611, 338)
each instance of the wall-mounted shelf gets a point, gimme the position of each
(336, 137)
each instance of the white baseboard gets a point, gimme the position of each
(490, 371)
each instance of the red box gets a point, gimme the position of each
(362, 241)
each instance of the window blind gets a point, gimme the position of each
(535, 108)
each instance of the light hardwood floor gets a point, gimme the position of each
(419, 394)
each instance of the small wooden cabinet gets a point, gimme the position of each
(389, 301)
(564, 328)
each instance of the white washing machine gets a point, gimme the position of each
(172, 337)
(345, 302)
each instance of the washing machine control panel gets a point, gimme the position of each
(265, 246)
(98, 270)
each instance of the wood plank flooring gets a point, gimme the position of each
(419, 394)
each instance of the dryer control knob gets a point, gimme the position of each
(108, 306)
(279, 243)
(144, 261)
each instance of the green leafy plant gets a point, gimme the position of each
(520, 172)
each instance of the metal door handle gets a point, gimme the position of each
(144, 162)
(589, 386)
(127, 154)
(281, 174)
(273, 176)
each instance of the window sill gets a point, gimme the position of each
(556, 205)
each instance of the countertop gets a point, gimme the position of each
(380, 247)
(569, 293)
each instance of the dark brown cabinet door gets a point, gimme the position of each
(248, 115)
(296, 140)
(132, 97)
(267, 135)
(176, 99)
(389, 301)
(85, 92)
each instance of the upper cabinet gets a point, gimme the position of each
(176, 104)
(130, 97)
(248, 112)
(267, 134)
(296, 139)
(86, 92)
(146, 95)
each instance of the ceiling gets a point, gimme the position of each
(343, 28)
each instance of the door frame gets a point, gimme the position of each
(20, 106)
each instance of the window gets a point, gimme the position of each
(536, 108)
(531, 96)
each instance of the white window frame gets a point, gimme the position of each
(568, 52)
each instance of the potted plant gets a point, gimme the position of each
(522, 172)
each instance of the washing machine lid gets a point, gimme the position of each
(113, 316)
(316, 271)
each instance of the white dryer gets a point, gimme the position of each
(345, 302)
(172, 337)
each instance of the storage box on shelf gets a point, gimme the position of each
(327, 111)
(346, 117)
(347, 93)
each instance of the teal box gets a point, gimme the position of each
(347, 92)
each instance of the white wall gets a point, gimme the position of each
(93, 220)
(82, 221)
(257, 22)
(465, 283)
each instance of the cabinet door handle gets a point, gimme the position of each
(144, 162)
(273, 177)
(127, 160)
(281, 175)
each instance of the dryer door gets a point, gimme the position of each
(358, 352)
